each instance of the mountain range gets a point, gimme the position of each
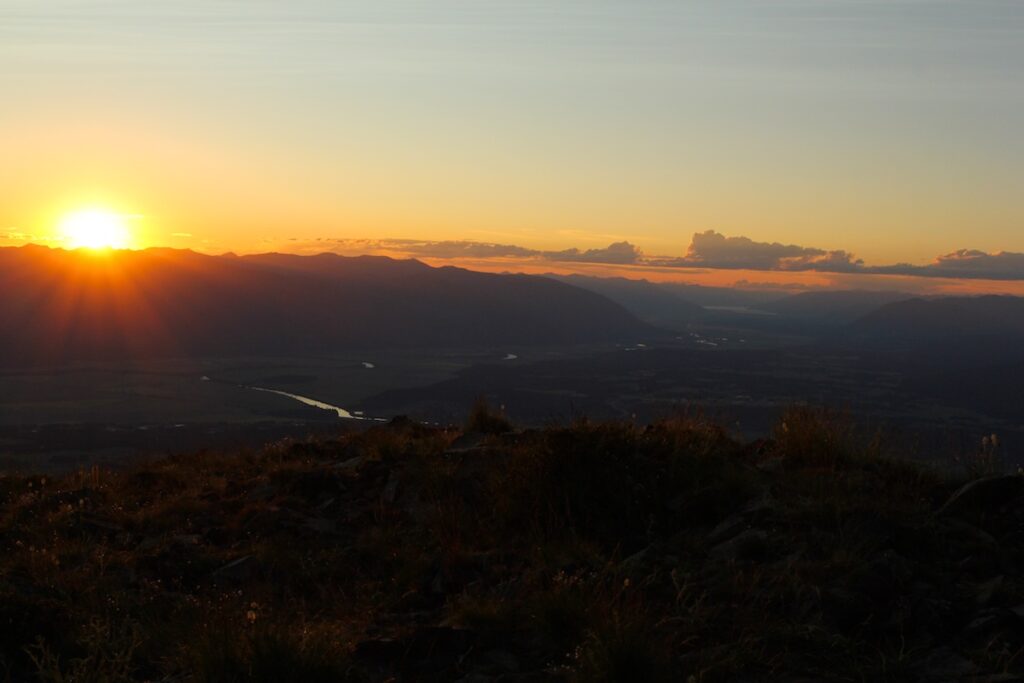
(79, 305)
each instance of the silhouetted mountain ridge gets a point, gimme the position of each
(80, 305)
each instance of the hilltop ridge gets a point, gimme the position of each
(596, 551)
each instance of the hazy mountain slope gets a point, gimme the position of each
(67, 306)
(644, 299)
(735, 297)
(936, 319)
(840, 307)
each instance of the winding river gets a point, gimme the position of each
(342, 413)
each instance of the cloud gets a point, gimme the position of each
(714, 250)
(618, 253)
(707, 250)
(968, 264)
(711, 249)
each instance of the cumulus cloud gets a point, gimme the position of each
(970, 264)
(446, 249)
(707, 250)
(618, 253)
(714, 250)
(461, 249)
(711, 249)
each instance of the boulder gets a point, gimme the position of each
(240, 569)
(749, 546)
(989, 493)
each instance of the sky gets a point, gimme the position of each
(875, 133)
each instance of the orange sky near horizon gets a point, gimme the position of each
(890, 131)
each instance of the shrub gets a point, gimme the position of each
(485, 420)
(816, 437)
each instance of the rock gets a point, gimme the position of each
(319, 525)
(770, 465)
(987, 621)
(728, 528)
(843, 609)
(989, 493)
(379, 651)
(944, 664)
(187, 539)
(438, 647)
(751, 545)
(754, 511)
(469, 441)
(985, 591)
(149, 543)
(499, 661)
(261, 493)
(100, 524)
(881, 580)
(968, 533)
(237, 570)
(314, 486)
(350, 466)
(636, 564)
(390, 491)
(430, 649)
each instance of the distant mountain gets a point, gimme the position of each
(59, 305)
(723, 297)
(949, 337)
(838, 307)
(967, 352)
(947, 317)
(644, 299)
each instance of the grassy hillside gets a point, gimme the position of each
(594, 552)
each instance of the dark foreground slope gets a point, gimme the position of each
(67, 306)
(596, 552)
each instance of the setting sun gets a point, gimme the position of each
(95, 229)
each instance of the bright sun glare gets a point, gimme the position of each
(95, 229)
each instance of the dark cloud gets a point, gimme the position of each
(447, 249)
(617, 253)
(468, 249)
(965, 264)
(621, 253)
(713, 250)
